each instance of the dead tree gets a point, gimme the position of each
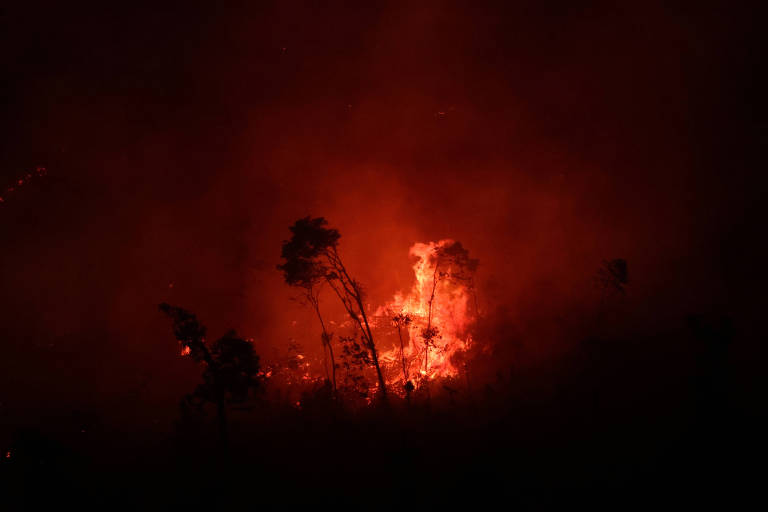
(402, 320)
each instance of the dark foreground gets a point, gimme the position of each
(616, 429)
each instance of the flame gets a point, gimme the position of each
(433, 324)
(434, 320)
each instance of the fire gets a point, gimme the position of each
(434, 319)
(433, 324)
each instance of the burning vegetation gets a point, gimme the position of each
(422, 337)
(433, 320)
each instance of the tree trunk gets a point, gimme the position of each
(333, 367)
(326, 342)
(351, 299)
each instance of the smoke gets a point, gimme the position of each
(180, 147)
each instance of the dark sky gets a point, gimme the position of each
(181, 143)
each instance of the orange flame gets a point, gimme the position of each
(434, 320)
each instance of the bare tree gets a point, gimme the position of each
(401, 321)
(315, 246)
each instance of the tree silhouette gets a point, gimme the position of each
(302, 270)
(231, 368)
(402, 321)
(313, 251)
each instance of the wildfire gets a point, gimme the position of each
(433, 325)
(433, 320)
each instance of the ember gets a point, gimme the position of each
(20, 182)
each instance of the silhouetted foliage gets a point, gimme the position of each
(304, 269)
(231, 368)
(302, 253)
(312, 252)
(455, 261)
(460, 267)
(354, 359)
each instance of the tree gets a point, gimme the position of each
(402, 321)
(303, 271)
(231, 368)
(313, 251)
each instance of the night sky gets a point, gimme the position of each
(180, 143)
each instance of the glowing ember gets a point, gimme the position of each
(39, 172)
(434, 319)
